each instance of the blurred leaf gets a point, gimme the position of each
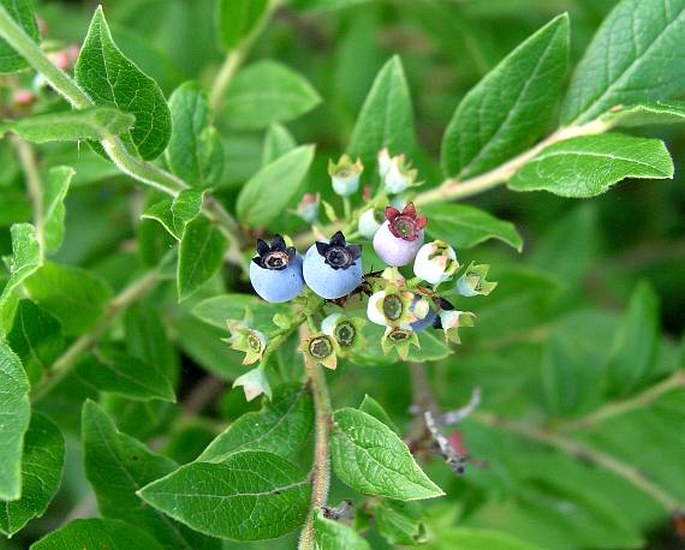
(252, 495)
(236, 19)
(117, 466)
(218, 309)
(55, 187)
(36, 337)
(267, 92)
(278, 142)
(588, 166)
(324, 5)
(41, 473)
(15, 411)
(369, 457)
(634, 57)
(22, 12)
(334, 535)
(400, 522)
(271, 190)
(26, 259)
(200, 256)
(466, 538)
(195, 152)
(90, 534)
(108, 77)
(510, 108)
(371, 406)
(96, 123)
(75, 296)
(466, 226)
(281, 427)
(386, 118)
(111, 370)
(657, 112)
(560, 377)
(635, 344)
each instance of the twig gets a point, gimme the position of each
(616, 408)
(453, 459)
(29, 164)
(456, 416)
(204, 392)
(574, 449)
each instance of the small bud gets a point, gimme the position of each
(308, 208)
(396, 173)
(473, 282)
(320, 349)
(246, 339)
(254, 383)
(23, 98)
(347, 331)
(368, 224)
(452, 320)
(401, 339)
(435, 262)
(345, 175)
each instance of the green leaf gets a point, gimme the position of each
(36, 337)
(642, 114)
(195, 152)
(466, 226)
(560, 376)
(96, 123)
(252, 495)
(176, 214)
(26, 259)
(386, 118)
(634, 57)
(635, 345)
(111, 370)
(200, 256)
(109, 78)
(271, 190)
(507, 111)
(22, 12)
(587, 166)
(371, 406)
(467, 538)
(369, 457)
(267, 92)
(218, 309)
(334, 535)
(41, 473)
(277, 143)
(56, 185)
(236, 19)
(117, 466)
(100, 534)
(400, 522)
(281, 427)
(15, 412)
(75, 296)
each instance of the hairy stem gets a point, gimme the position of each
(321, 468)
(572, 448)
(616, 408)
(68, 360)
(29, 164)
(137, 169)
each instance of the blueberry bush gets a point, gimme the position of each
(316, 274)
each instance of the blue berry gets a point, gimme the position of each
(333, 269)
(276, 271)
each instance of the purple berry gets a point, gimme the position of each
(333, 269)
(399, 239)
(276, 271)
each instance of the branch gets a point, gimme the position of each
(68, 360)
(616, 408)
(574, 449)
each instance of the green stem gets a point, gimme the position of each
(27, 159)
(68, 360)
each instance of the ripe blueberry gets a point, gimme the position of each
(333, 269)
(276, 271)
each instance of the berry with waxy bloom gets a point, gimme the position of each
(347, 331)
(320, 349)
(333, 269)
(393, 306)
(254, 383)
(246, 339)
(451, 320)
(345, 175)
(473, 282)
(399, 238)
(396, 173)
(368, 224)
(276, 271)
(435, 262)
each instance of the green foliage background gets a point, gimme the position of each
(589, 314)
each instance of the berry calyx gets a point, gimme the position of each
(337, 253)
(405, 224)
(275, 256)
